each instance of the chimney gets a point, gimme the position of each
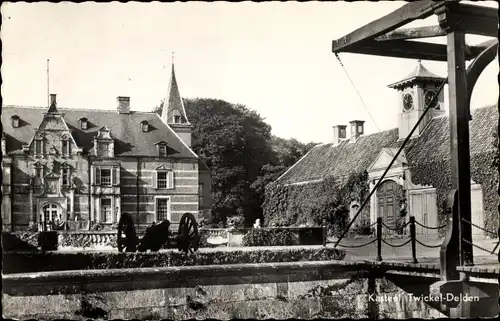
(123, 105)
(357, 129)
(53, 100)
(339, 134)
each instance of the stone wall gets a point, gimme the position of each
(263, 291)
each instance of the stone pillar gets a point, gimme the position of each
(72, 204)
(97, 217)
(32, 215)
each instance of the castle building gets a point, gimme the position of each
(81, 166)
(419, 179)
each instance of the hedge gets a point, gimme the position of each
(24, 262)
(265, 237)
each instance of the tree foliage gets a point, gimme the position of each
(241, 153)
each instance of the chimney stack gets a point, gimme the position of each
(123, 105)
(53, 100)
(339, 134)
(357, 129)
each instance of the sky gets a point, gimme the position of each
(274, 58)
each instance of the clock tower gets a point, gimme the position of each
(416, 92)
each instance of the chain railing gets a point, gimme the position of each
(413, 237)
(484, 230)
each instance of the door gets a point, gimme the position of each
(106, 210)
(424, 209)
(388, 204)
(50, 214)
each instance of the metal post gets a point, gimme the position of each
(379, 239)
(459, 137)
(413, 236)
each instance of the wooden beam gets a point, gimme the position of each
(471, 19)
(459, 140)
(479, 64)
(410, 50)
(407, 13)
(413, 33)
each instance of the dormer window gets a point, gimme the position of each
(104, 144)
(162, 150)
(144, 126)
(342, 133)
(15, 121)
(177, 117)
(83, 123)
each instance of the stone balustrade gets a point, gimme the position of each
(88, 240)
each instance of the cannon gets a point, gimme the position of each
(157, 235)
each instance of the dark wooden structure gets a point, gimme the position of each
(385, 37)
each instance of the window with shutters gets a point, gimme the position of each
(164, 179)
(162, 209)
(105, 176)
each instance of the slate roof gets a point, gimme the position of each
(326, 160)
(420, 73)
(126, 130)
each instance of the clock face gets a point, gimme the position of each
(407, 101)
(428, 99)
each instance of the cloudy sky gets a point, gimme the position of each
(274, 58)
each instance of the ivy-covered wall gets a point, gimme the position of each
(309, 204)
(483, 171)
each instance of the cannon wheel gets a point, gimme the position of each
(188, 238)
(126, 238)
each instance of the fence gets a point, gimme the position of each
(380, 225)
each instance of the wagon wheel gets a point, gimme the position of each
(126, 237)
(188, 238)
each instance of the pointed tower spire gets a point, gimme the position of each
(173, 113)
(173, 108)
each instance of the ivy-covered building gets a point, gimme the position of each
(417, 182)
(84, 166)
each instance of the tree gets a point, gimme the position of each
(241, 153)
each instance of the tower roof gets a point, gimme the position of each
(419, 74)
(173, 105)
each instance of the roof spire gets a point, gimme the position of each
(173, 111)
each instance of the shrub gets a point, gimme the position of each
(25, 262)
(268, 237)
(235, 221)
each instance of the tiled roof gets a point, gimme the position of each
(130, 140)
(432, 145)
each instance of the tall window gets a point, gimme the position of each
(65, 147)
(106, 210)
(162, 209)
(106, 176)
(38, 146)
(177, 119)
(200, 194)
(162, 179)
(38, 176)
(65, 177)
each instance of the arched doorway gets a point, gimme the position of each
(388, 197)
